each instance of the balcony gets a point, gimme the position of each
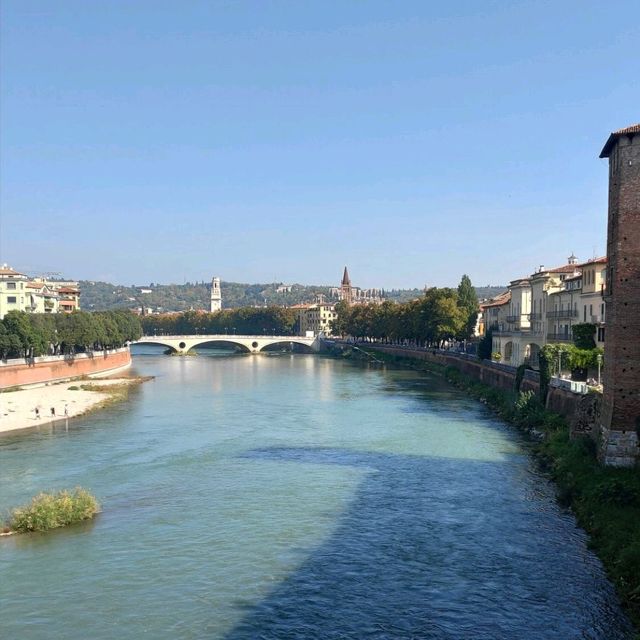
(512, 319)
(563, 313)
(535, 316)
(558, 337)
(597, 320)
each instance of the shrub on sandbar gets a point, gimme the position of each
(52, 510)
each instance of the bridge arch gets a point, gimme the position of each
(270, 343)
(155, 342)
(221, 342)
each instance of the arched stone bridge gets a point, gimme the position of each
(252, 344)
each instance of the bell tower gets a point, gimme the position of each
(346, 290)
(620, 416)
(216, 295)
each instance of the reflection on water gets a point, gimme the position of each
(296, 497)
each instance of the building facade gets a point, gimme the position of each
(38, 295)
(544, 308)
(316, 318)
(620, 416)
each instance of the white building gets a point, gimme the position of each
(216, 295)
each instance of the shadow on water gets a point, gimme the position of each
(429, 548)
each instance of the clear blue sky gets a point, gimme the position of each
(157, 141)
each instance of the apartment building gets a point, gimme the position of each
(18, 292)
(316, 318)
(545, 307)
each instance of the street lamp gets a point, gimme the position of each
(559, 362)
(599, 359)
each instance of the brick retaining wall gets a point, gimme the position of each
(17, 373)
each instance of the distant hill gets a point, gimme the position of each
(100, 296)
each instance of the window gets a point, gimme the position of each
(12, 300)
(600, 334)
(11, 285)
(584, 319)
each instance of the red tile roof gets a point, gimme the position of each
(567, 268)
(498, 301)
(8, 271)
(632, 130)
(602, 260)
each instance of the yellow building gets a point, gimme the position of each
(545, 307)
(316, 318)
(20, 293)
(13, 290)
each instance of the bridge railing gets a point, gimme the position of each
(236, 336)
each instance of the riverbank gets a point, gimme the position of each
(68, 399)
(605, 500)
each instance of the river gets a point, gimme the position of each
(294, 496)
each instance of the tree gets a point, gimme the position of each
(468, 302)
(485, 346)
(583, 335)
(17, 323)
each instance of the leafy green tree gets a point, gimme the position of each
(583, 335)
(468, 302)
(17, 323)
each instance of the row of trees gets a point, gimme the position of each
(439, 315)
(246, 320)
(29, 335)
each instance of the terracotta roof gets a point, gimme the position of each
(67, 290)
(602, 260)
(567, 268)
(631, 131)
(498, 301)
(8, 271)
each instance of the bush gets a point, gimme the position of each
(52, 510)
(528, 411)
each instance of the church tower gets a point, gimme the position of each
(346, 290)
(620, 416)
(216, 295)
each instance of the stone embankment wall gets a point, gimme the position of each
(581, 411)
(31, 371)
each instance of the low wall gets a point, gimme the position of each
(573, 406)
(498, 375)
(30, 371)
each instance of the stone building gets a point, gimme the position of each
(620, 416)
(216, 295)
(544, 308)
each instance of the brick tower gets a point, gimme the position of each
(346, 290)
(620, 419)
